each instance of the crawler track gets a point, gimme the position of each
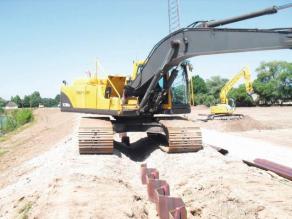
(182, 135)
(95, 136)
(225, 117)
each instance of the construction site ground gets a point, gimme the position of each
(43, 176)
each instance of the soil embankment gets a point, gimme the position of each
(54, 181)
(49, 127)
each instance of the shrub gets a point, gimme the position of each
(16, 118)
(10, 124)
(23, 116)
(205, 99)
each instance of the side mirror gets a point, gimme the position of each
(64, 82)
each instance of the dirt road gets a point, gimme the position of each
(49, 127)
(272, 124)
(59, 183)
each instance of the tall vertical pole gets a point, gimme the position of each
(173, 15)
(169, 17)
(178, 12)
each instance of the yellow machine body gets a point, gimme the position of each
(91, 93)
(103, 95)
(222, 109)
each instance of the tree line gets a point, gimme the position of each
(32, 100)
(273, 84)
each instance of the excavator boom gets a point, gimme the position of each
(245, 74)
(204, 39)
(190, 42)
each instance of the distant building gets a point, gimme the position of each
(11, 105)
(41, 106)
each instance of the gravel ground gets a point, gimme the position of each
(271, 124)
(60, 183)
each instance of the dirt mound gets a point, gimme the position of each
(245, 124)
(199, 107)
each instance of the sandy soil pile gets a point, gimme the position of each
(272, 124)
(245, 124)
(213, 186)
(62, 184)
(200, 107)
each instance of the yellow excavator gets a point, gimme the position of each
(106, 96)
(225, 109)
(158, 90)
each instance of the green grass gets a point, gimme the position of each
(20, 129)
(24, 210)
(2, 151)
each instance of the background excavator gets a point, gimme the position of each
(160, 86)
(225, 109)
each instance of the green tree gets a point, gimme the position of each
(17, 100)
(2, 102)
(199, 85)
(49, 102)
(35, 99)
(57, 99)
(214, 85)
(240, 96)
(285, 83)
(205, 99)
(26, 101)
(274, 81)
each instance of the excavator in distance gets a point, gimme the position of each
(159, 87)
(225, 109)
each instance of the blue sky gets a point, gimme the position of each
(46, 41)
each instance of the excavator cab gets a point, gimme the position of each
(179, 91)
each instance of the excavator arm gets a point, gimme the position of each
(202, 40)
(191, 42)
(245, 74)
